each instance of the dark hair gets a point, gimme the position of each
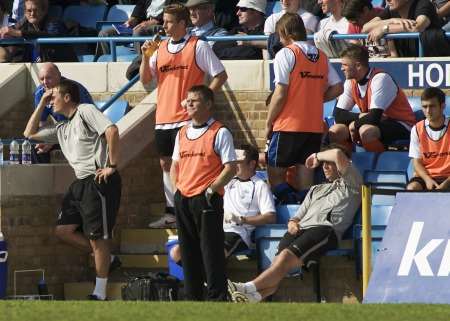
(67, 86)
(336, 146)
(179, 11)
(354, 8)
(291, 26)
(204, 91)
(250, 152)
(357, 53)
(433, 92)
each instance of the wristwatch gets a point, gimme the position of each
(386, 29)
(209, 191)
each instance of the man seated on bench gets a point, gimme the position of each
(430, 145)
(248, 202)
(316, 228)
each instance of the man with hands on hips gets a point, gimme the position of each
(90, 143)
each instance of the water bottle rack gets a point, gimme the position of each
(29, 296)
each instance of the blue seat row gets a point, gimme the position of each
(89, 15)
(116, 111)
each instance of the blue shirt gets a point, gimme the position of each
(85, 98)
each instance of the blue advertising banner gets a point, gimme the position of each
(408, 73)
(413, 265)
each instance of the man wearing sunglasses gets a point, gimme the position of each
(251, 22)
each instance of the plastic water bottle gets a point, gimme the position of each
(1, 152)
(14, 156)
(26, 152)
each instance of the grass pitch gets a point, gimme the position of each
(188, 311)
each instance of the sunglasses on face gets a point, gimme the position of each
(243, 9)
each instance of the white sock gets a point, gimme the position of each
(250, 287)
(168, 191)
(100, 288)
(257, 296)
(112, 257)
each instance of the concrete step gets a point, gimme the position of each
(80, 290)
(144, 241)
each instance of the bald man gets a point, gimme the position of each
(50, 77)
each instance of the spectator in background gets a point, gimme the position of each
(430, 145)
(323, 217)
(332, 24)
(179, 63)
(251, 20)
(202, 19)
(304, 79)
(406, 16)
(358, 13)
(335, 20)
(18, 10)
(443, 12)
(385, 115)
(203, 163)
(49, 78)
(37, 24)
(4, 22)
(293, 6)
(247, 202)
(146, 19)
(226, 14)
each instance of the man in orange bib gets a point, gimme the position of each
(430, 145)
(304, 79)
(178, 63)
(203, 162)
(385, 114)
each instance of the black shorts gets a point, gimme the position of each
(391, 130)
(420, 180)
(290, 148)
(165, 141)
(310, 243)
(92, 206)
(234, 243)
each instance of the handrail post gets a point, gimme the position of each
(421, 53)
(366, 236)
(112, 46)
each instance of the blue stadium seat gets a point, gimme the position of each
(117, 110)
(380, 215)
(119, 12)
(414, 101)
(386, 178)
(269, 8)
(330, 121)
(86, 15)
(410, 170)
(55, 11)
(277, 7)
(86, 58)
(285, 212)
(262, 174)
(364, 161)
(392, 161)
(328, 108)
(419, 115)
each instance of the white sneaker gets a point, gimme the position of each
(240, 297)
(235, 287)
(167, 221)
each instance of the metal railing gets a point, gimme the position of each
(115, 40)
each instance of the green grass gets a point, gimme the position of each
(188, 311)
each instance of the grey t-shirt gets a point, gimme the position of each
(81, 139)
(332, 204)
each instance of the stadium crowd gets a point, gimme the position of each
(211, 187)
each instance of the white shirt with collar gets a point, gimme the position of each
(223, 143)
(310, 21)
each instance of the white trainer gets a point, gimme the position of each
(240, 297)
(167, 221)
